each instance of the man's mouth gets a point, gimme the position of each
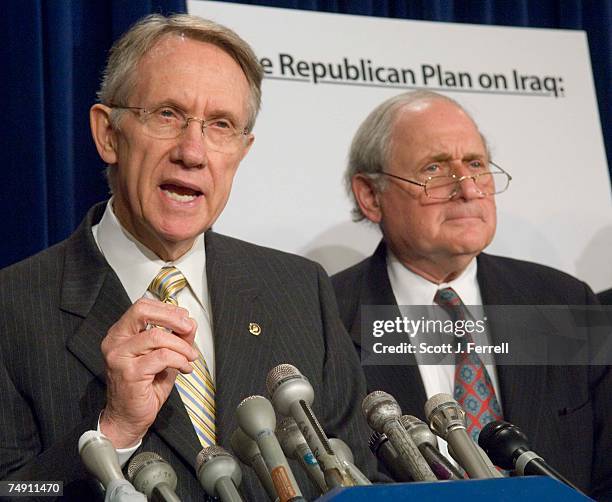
(180, 193)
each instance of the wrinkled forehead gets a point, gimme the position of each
(186, 70)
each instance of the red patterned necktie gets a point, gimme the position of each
(474, 390)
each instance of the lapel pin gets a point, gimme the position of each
(254, 329)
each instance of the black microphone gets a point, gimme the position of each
(219, 473)
(382, 448)
(153, 476)
(100, 458)
(427, 443)
(508, 447)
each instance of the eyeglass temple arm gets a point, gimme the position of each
(403, 179)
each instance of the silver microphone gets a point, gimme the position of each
(294, 445)
(153, 476)
(292, 396)
(219, 474)
(344, 453)
(447, 420)
(248, 453)
(427, 443)
(383, 413)
(100, 458)
(257, 419)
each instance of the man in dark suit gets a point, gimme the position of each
(86, 340)
(419, 168)
(605, 297)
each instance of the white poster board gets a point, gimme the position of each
(530, 90)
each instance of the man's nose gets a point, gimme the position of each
(467, 188)
(191, 149)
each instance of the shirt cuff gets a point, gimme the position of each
(123, 454)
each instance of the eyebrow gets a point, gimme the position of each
(445, 157)
(214, 115)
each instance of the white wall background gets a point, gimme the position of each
(288, 193)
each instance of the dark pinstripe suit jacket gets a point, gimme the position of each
(565, 411)
(56, 307)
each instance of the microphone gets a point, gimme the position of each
(153, 476)
(447, 420)
(219, 474)
(509, 448)
(256, 418)
(383, 413)
(344, 453)
(294, 445)
(248, 453)
(427, 443)
(292, 396)
(100, 458)
(382, 448)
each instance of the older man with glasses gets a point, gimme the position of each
(145, 324)
(420, 169)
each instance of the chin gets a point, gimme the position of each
(178, 229)
(470, 247)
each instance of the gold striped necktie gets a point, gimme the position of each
(196, 389)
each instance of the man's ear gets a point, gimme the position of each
(103, 134)
(367, 197)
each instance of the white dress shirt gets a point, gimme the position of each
(410, 288)
(136, 266)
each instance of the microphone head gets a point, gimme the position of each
(379, 408)
(91, 437)
(287, 385)
(289, 436)
(255, 414)
(214, 463)
(503, 442)
(99, 457)
(444, 414)
(419, 431)
(342, 450)
(148, 470)
(377, 439)
(243, 446)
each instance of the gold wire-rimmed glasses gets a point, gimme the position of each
(488, 182)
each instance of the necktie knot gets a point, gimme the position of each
(167, 284)
(449, 300)
(447, 297)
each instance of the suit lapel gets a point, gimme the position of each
(92, 290)
(522, 388)
(376, 290)
(233, 296)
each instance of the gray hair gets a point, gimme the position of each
(120, 75)
(371, 145)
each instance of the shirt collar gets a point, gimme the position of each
(410, 288)
(136, 265)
